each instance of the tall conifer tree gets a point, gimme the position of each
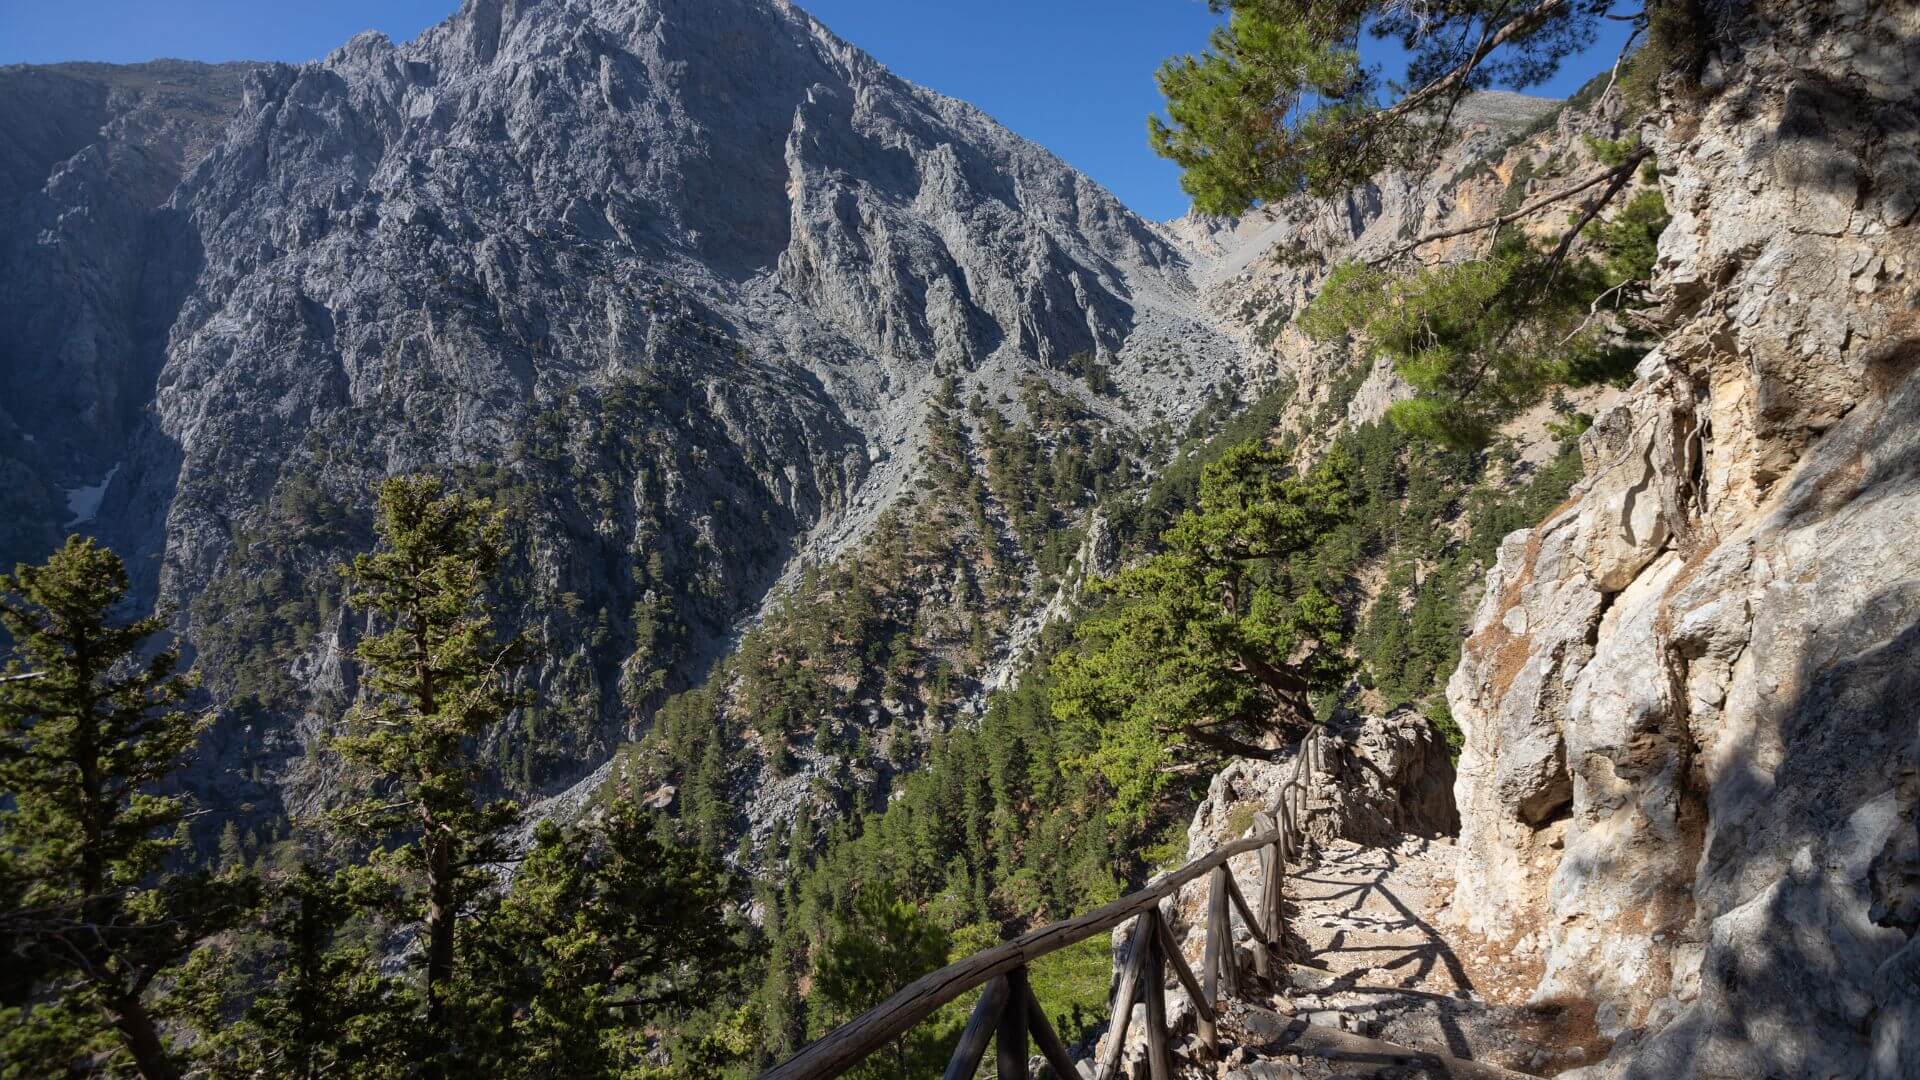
(93, 720)
(1282, 105)
(437, 677)
(1218, 643)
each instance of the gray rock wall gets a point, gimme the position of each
(1693, 740)
(93, 261)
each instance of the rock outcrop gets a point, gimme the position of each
(1692, 696)
(1269, 265)
(1385, 777)
(93, 261)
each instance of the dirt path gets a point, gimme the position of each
(1380, 960)
(1368, 918)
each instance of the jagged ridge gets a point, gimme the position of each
(673, 278)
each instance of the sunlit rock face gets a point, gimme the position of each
(1690, 696)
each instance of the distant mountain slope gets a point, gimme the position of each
(92, 264)
(674, 279)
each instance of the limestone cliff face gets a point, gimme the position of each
(1692, 696)
(1270, 264)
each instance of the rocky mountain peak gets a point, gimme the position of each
(678, 277)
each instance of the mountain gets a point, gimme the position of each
(95, 265)
(674, 280)
(815, 397)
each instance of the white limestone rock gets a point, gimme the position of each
(1712, 681)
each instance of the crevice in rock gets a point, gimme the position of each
(1693, 473)
(1632, 496)
(1600, 616)
(1894, 877)
(1553, 800)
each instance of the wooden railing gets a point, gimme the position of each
(1007, 1013)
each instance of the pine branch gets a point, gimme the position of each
(1453, 100)
(1523, 23)
(1621, 174)
(1617, 173)
(1226, 744)
(1593, 312)
(1639, 24)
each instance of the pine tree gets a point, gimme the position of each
(884, 945)
(800, 842)
(233, 854)
(93, 721)
(1281, 101)
(436, 678)
(1480, 339)
(1217, 643)
(782, 1009)
(1281, 105)
(326, 1010)
(601, 922)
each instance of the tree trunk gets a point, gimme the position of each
(439, 859)
(142, 1040)
(124, 1009)
(439, 930)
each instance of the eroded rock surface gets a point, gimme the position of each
(1385, 776)
(1693, 735)
(93, 262)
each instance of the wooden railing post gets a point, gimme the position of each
(1273, 869)
(1210, 954)
(1010, 1041)
(1261, 961)
(1221, 955)
(1159, 1052)
(980, 1027)
(1296, 805)
(1051, 1048)
(1125, 995)
(1276, 899)
(1203, 1009)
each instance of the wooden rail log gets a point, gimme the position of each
(1044, 1037)
(1202, 1008)
(1159, 1050)
(1126, 994)
(1262, 962)
(1213, 964)
(980, 1028)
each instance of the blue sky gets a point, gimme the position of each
(1073, 75)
